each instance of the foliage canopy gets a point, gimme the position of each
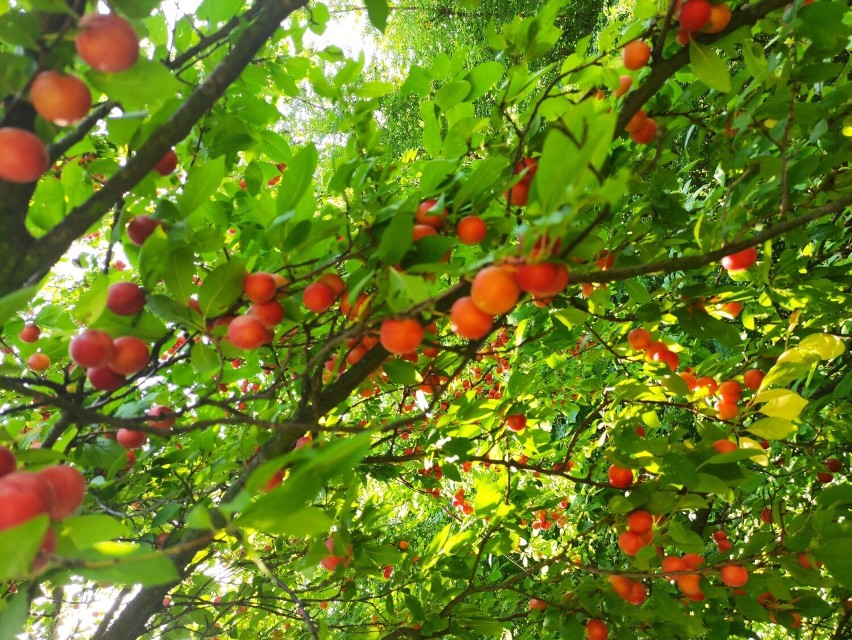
(264, 477)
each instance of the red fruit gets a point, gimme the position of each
(125, 298)
(130, 438)
(259, 287)
(516, 422)
(726, 410)
(834, 465)
(107, 42)
(8, 463)
(247, 332)
(167, 163)
(468, 321)
(709, 383)
(529, 167)
(636, 122)
(32, 483)
(29, 333)
(401, 335)
(495, 290)
(824, 478)
(23, 156)
(630, 542)
(724, 545)
(518, 195)
(638, 593)
(693, 560)
(753, 378)
(38, 362)
(689, 379)
(91, 349)
(694, 14)
(471, 230)
(318, 297)
(428, 215)
(635, 54)
(596, 630)
(420, 231)
(329, 563)
(689, 584)
(654, 348)
(669, 357)
(17, 505)
(269, 313)
(620, 585)
(640, 521)
(60, 99)
(733, 575)
(683, 37)
(69, 488)
(719, 535)
(619, 477)
(537, 605)
(730, 390)
(131, 355)
(542, 279)
(163, 423)
(639, 339)
(741, 260)
(720, 16)
(105, 379)
(672, 564)
(333, 282)
(624, 84)
(725, 446)
(646, 134)
(140, 227)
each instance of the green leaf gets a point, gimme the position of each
(826, 346)
(145, 84)
(377, 11)
(201, 183)
(48, 207)
(20, 29)
(14, 616)
(400, 371)
(452, 94)
(834, 553)
(271, 511)
(297, 179)
(25, 539)
(772, 428)
(170, 311)
(709, 68)
(396, 238)
(85, 531)
(374, 89)
(222, 287)
(178, 269)
(488, 497)
(781, 403)
(126, 563)
(306, 521)
(204, 359)
(13, 302)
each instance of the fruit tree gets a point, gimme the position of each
(477, 319)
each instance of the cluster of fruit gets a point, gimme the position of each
(108, 44)
(55, 491)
